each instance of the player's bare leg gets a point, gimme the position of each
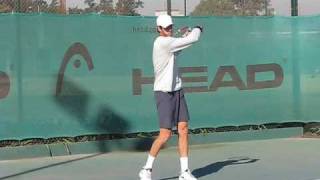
(183, 139)
(183, 151)
(163, 137)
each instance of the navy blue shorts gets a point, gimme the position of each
(172, 108)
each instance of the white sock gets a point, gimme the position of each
(184, 163)
(149, 162)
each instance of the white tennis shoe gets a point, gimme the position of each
(145, 174)
(186, 175)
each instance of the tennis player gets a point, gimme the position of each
(171, 104)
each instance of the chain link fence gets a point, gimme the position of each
(136, 7)
(118, 7)
(32, 6)
(152, 7)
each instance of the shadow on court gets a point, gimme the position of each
(215, 167)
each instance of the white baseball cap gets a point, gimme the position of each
(164, 20)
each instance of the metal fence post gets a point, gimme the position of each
(294, 7)
(169, 7)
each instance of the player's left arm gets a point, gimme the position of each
(181, 43)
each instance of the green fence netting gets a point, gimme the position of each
(92, 74)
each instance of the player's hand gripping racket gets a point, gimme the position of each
(184, 31)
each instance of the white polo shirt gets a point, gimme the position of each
(165, 50)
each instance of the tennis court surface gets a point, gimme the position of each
(275, 159)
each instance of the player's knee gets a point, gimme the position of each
(183, 130)
(164, 137)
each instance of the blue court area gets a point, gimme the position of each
(276, 159)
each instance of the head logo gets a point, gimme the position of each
(219, 79)
(74, 49)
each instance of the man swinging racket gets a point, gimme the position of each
(171, 104)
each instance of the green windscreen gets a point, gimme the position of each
(93, 74)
